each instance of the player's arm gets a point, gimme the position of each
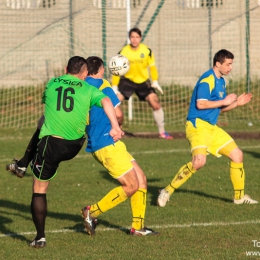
(109, 109)
(207, 104)
(114, 82)
(154, 77)
(240, 101)
(119, 115)
(204, 98)
(154, 73)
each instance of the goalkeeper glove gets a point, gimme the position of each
(157, 86)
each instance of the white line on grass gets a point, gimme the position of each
(215, 224)
(79, 156)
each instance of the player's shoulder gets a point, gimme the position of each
(145, 49)
(144, 46)
(207, 74)
(124, 48)
(105, 84)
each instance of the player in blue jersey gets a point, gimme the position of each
(208, 100)
(115, 158)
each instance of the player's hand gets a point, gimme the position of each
(156, 85)
(229, 99)
(116, 133)
(115, 88)
(244, 99)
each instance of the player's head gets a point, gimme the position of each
(135, 37)
(77, 66)
(221, 55)
(95, 65)
(222, 62)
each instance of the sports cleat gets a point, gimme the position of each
(143, 232)
(245, 200)
(38, 243)
(13, 167)
(163, 197)
(166, 136)
(89, 222)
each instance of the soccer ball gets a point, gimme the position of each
(118, 65)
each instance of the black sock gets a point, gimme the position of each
(39, 212)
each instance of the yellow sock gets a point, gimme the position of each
(138, 205)
(182, 176)
(237, 176)
(112, 199)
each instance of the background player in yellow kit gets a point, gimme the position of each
(137, 80)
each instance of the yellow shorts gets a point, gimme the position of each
(208, 136)
(115, 158)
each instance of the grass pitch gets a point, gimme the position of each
(199, 222)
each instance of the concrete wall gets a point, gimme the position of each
(36, 42)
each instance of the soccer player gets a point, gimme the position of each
(208, 100)
(136, 80)
(67, 102)
(115, 158)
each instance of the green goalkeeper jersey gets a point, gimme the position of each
(67, 102)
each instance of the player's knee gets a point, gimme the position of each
(236, 155)
(198, 163)
(142, 181)
(156, 107)
(132, 188)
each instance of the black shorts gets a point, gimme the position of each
(50, 152)
(127, 87)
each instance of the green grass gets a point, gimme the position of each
(199, 222)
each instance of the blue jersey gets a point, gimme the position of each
(99, 125)
(211, 88)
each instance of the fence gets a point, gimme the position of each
(39, 36)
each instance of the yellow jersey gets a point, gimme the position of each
(141, 60)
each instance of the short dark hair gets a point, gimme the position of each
(94, 63)
(136, 30)
(75, 65)
(221, 55)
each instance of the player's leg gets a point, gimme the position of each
(129, 185)
(50, 152)
(121, 166)
(199, 139)
(39, 211)
(138, 205)
(237, 172)
(125, 89)
(115, 159)
(145, 92)
(40, 187)
(18, 167)
(184, 173)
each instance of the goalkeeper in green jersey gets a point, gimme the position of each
(136, 80)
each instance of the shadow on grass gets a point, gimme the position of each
(20, 209)
(253, 154)
(154, 191)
